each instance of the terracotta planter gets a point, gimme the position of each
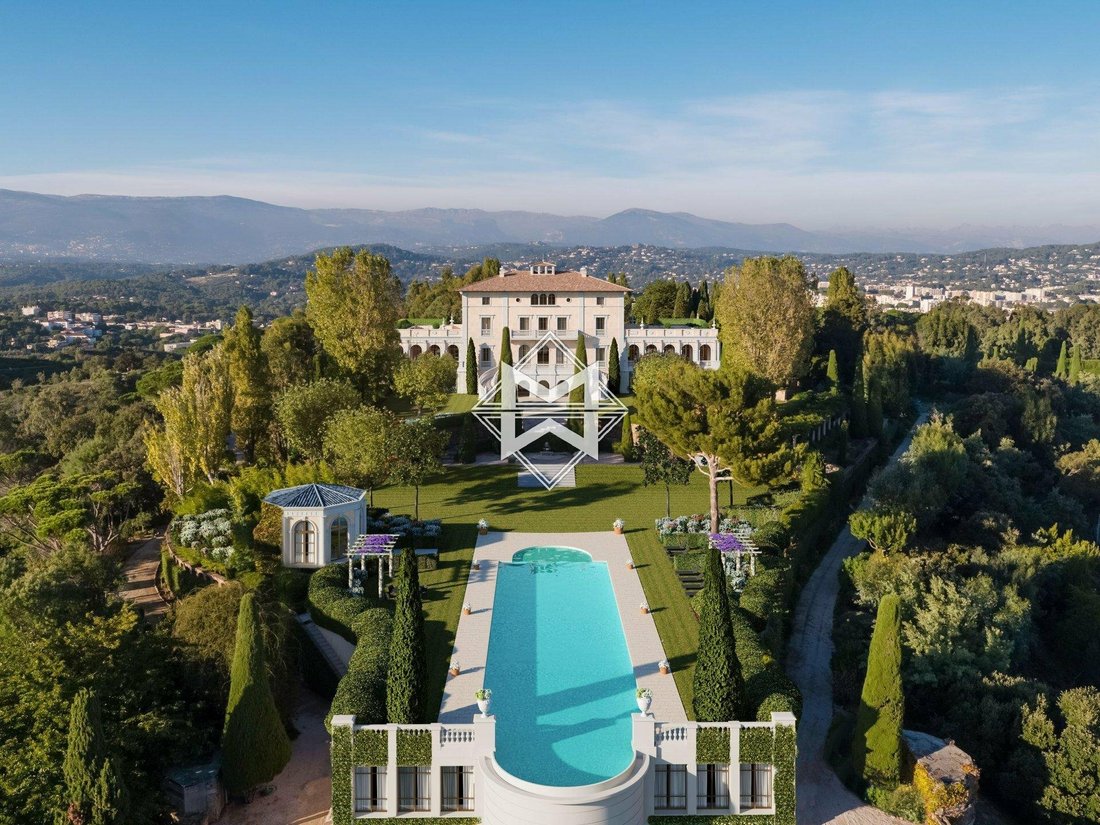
(483, 531)
(665, 671)
(618, 531)
(645, 610)
(454, 671)
(630, 565)
(477, 565)
(465, 611)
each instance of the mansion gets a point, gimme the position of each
(539, 300)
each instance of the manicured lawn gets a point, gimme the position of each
(462, 495)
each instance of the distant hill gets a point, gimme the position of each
(229, 230)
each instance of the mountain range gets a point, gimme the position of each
(231, 230)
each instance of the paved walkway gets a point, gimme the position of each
(140, 588)
(471, 646)
(822, 797)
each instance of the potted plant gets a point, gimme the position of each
(644, 607)
(630, 565)
(482, 527)
(618, 525)
(665, 667)
(466, 609)
(483, 695)
(645, 699)
(455, 669)
(476, 565)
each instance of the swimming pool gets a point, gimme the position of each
(558, 666)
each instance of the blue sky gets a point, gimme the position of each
(823, 114)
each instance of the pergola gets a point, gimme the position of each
(739, 545)
(373, 545)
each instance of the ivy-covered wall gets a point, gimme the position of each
(414, 748)
(342, 765)
(712, 745)
(756, 745)
(371, 748)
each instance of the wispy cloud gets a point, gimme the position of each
(892, 157)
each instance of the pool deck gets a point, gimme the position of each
(471, 647)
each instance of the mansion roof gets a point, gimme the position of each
(524, 281)
(314, 495)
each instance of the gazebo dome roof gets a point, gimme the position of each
(314, 495)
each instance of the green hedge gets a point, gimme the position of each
(362, 691)
(712, 745)
(756, 745)
(414, 748)
(177, 580)
(371, 747)
(330, 603)
(785, 750)
(767, 687)
(342, 765)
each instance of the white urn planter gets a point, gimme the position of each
(644, 703)
(483, 706)
(483, 697)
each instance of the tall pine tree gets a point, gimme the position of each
(407, 677)
(1061, 369)
(719, 685)
(576, 395)
(248, 374)
(94, 792)
(471, 367)
(254, 743)
(876, 746)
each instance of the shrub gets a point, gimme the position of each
(876, 744)
(719, 690)
(408, 672)
(331, 605)
(202, 498)
(362, 691)
(763, 594)
(904, 802)
(254, 744)
(767, 688)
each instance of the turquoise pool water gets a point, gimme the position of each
(559, 669)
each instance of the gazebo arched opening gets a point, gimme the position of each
(632, 354)
(338, 537)
(669, 349)
(452, 351)
(687, 352)
(704, 352)
(650, 349)
(415, 351)
(305, 542)
(434, 350)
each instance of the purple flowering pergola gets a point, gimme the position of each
(738, 547)
(372, 545)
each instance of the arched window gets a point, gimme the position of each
(452, 351)
(434, 350)
(523, 350)
(669, 348)
(305, 543)
(551, 299)
(704, 352)
(632, 353)
(486, 356)
(415, 351)
(534, 299)
(543, 355)
(687, 353)
(522, 392)
(338, 537)
(650, 348)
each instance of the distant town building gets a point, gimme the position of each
(29, 311)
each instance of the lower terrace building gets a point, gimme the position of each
(540, 300)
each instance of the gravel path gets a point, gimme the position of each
(822, 798)
(140, 588)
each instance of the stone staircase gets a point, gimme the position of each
(322, 645)
(527, 479)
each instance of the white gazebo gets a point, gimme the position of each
(320, 522)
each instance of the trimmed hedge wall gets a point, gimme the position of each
(342, 765)
(414, 748)
(712, 745)
(362, 691)
(767, 687)
(330, 603)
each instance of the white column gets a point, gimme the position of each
(391, 771)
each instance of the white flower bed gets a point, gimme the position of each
(210, 533)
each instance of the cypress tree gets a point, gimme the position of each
(874, 403)
(703, 310)
(576, 395)
(471, 367)
(682, 303)
(876, 746)
(719, 686)
(84, 757)
(254, 743)
(110, 802)
(859, 405)
(467, 440)
(1075, 365)
(613, 374)
(626, 440)
(833, 373)
(407, 677)
(1061, 369)
(505, 357)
